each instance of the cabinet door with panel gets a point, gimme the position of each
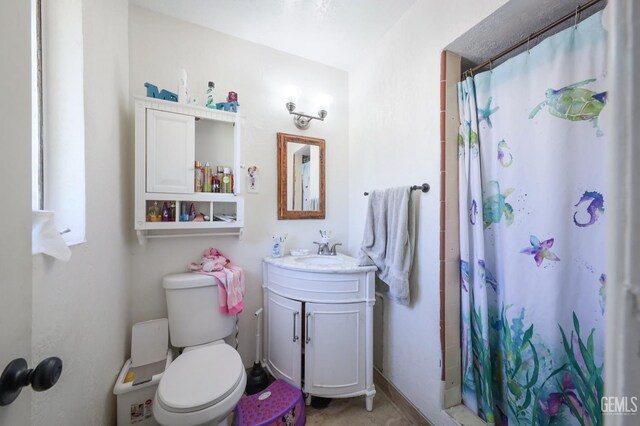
(283, 352)
(334, 348)
(170, 152)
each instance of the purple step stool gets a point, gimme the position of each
(278, 405)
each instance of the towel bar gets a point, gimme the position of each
(424, 188)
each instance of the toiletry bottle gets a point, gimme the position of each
(215, 183)
(183, 93)
(184, 213)
(220, 175)
(172, 212)
(192, 212)
(226, 180)
(154, 213)
(199, 177)
(210, 102)
(206, 187)
(165, 212)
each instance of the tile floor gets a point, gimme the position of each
(351, 412)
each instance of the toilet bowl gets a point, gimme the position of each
(201, 387)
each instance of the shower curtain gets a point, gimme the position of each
(532, 234)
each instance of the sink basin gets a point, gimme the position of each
(320, 260)
(320, 264)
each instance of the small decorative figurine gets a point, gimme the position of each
(228, 106)
(232, 97)
(152, 92)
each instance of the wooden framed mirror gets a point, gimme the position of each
(300, 177)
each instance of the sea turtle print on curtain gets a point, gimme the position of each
(532, 239)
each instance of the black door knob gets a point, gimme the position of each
(17, 375)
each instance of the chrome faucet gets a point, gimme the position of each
(323, 249)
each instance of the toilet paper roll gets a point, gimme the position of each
(45, 237)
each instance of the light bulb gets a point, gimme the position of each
(292, 93)
(323, 100)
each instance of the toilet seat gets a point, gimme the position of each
(200, 378)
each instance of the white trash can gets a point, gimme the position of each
(139, 378)
(135, 401)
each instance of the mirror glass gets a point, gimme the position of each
(300, 177)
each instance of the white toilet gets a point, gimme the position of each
(204, 384)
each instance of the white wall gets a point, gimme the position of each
(15, 175)
(159, 47)
(81, 308)
(394, 104)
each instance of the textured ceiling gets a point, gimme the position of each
(333, 32)
(511, 23)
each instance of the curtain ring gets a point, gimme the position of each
(575, 25)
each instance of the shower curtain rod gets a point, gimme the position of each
(554, 24)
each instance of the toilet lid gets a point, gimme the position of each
(200, 378)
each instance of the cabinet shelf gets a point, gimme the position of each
(215, 224)
(207, 197)
(194, 110)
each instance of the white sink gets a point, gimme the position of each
(320, 260)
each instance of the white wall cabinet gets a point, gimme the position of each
(319, 330)
(169, 138)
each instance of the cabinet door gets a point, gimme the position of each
(284, 356)
(170, 152)
(334, 348)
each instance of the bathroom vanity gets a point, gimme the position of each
(319, 324)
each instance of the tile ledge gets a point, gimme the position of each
(462, 416)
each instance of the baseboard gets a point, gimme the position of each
(406, 407)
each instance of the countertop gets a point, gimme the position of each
(348, 264)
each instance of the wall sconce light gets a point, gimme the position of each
(302, 120)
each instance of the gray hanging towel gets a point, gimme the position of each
(388, 240)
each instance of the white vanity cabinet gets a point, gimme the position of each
(319, 326)
(169, 138)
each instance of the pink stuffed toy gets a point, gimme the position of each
(212, 260)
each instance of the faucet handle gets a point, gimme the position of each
(319, 246)
(333, 249)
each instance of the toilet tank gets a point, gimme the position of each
(194, 315)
